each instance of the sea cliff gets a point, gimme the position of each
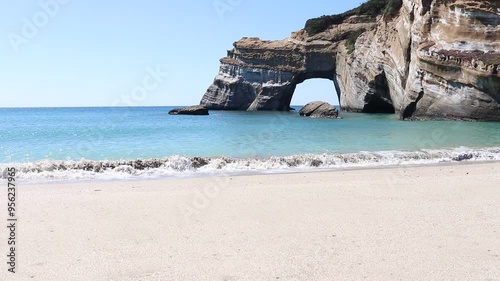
(427, 59)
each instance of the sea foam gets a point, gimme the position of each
(179, 166)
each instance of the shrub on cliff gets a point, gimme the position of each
(351, 40)
(370, 8)
(317, 25)
(393, 7)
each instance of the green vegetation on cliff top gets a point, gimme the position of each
(370, 8)
(351, 40)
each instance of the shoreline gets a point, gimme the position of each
(264, 173)
(419, 223)
(178, 167)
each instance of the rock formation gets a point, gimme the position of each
(319, 109)
(434, 59)
(190, 110)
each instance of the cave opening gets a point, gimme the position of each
(379, 100)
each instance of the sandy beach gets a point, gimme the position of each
(413, 223)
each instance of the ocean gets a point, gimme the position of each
(104, 143)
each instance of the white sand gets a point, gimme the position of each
(420, 223)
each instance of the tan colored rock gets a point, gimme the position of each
(437, 59)
(319, 109)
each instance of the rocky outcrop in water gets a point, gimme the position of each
(319, 109)
(434, 59)
(190, 110)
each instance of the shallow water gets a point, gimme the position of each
(37, 137)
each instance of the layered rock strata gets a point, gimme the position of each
(436, 59)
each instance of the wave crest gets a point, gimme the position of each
(180, 166)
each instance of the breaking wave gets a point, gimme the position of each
(178, 166)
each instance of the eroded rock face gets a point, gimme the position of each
(262, 75)
(436, 59)
(319, 109)
(455, 70)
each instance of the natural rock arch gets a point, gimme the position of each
(263, 75)
(411, 63)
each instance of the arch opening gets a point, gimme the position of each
(315, 89)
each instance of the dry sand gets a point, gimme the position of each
(417, 223)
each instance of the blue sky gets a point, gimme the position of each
(141, 53)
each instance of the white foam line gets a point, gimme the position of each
(179, 166)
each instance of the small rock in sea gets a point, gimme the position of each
(319, 109)
(190, 110)
(463, 157)
(198, 162)
(316, 163)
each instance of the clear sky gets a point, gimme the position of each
(140, 53)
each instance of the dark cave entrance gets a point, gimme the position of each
(379, 100)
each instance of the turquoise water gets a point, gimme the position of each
(48, 135)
